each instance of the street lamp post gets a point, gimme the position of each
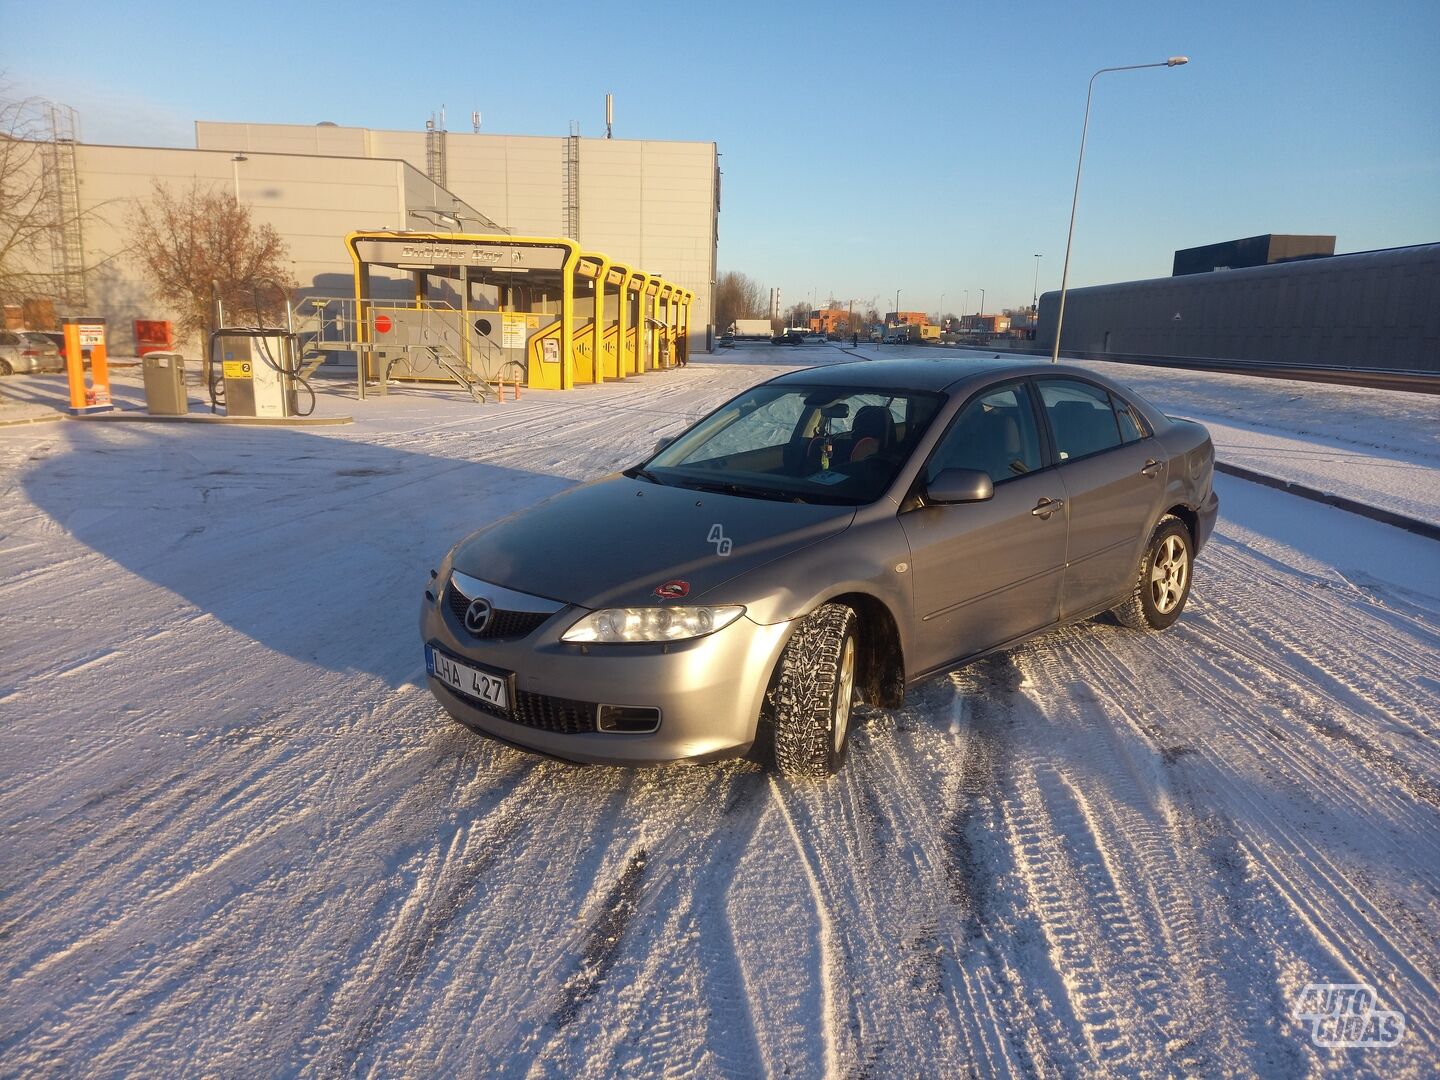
(235, 160)
(981, 312)
(1174, 61)
(1035, 290)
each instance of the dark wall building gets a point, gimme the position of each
(1251, 251)
(1375, 309)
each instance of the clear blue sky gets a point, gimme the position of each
(866, 147)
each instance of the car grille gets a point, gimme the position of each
(557, 714)
(503, 624)
(544, 713)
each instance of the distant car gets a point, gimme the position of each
(833, 535)
(789, 337)
(28, 351)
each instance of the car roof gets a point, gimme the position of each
(924, 373)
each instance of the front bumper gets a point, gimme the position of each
(708, 690)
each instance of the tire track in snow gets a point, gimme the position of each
(1315, 925)
(670, 989)
(474, 850)
(602, 942)
(991, 948)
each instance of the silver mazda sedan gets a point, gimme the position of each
(831, 536)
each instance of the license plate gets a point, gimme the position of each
(490, 687)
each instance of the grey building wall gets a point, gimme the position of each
(1378, 309)
(650, 204)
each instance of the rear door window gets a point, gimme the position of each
(1081, 418)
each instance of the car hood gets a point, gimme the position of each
(613, 542)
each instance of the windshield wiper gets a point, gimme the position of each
(729, 487)
(643, 474)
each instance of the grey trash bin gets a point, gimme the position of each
(165, 384)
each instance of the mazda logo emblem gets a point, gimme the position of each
(478, 615)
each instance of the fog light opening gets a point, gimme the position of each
(629, 719)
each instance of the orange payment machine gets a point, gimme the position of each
(85, 340)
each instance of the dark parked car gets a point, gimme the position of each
(788, 337)
(832, 535)
(58, 340)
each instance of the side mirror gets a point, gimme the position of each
(960, 486)
(660, 444)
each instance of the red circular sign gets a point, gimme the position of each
(383, 324)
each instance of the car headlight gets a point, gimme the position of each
(651, 623)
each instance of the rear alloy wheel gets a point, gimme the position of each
(5, 368)
(1163, 584)
(809, 703)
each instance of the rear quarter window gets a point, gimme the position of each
(1132, 425)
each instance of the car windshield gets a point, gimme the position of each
(820, 444)
(34, 337)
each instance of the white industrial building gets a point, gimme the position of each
(646, 203)
(650, 204)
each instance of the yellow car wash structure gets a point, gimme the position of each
(494, 309)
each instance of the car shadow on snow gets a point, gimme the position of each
(317, 547)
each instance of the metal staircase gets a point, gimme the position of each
(62, 190)
(327, 325)
(572, 183)
(443, 346)
(435, 149)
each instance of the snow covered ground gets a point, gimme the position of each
(239, 837)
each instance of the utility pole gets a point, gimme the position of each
(1035, 290)
(1174, 61)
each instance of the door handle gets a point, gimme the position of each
(1150, 468)
(1045, 507)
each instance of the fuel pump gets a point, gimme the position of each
(259, 373)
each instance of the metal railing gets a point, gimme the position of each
(430, 333)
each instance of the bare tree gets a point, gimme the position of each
(201, 243)
(27, 212)
(798, 314)
(738, 296)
